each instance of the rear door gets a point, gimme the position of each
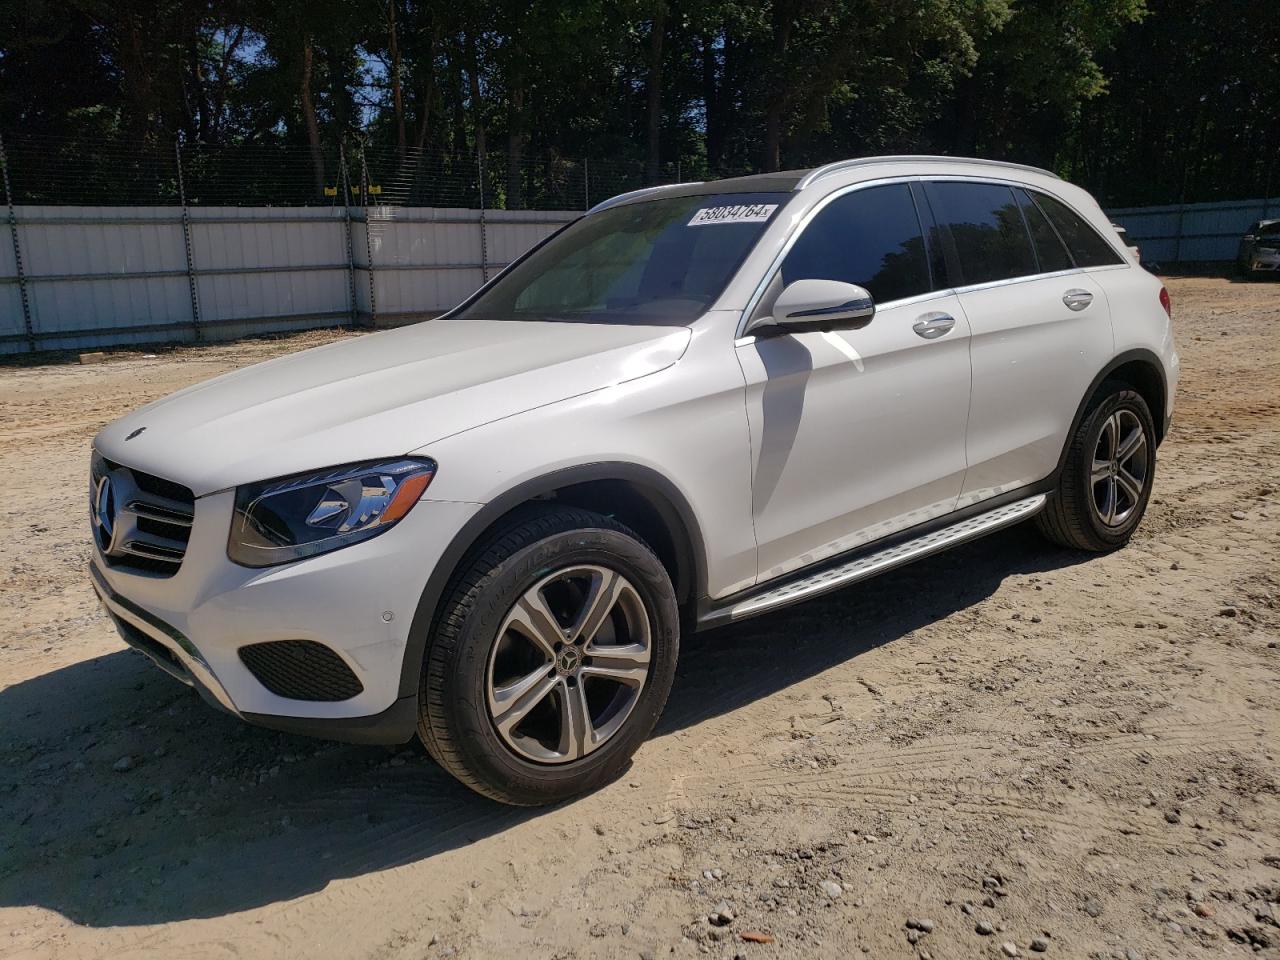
(1040, 326)
(857, 434)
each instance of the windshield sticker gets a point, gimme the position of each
(734, 213)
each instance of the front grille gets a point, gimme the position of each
(301, 670)
(144, 522)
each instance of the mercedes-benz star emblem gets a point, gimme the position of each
(104, 513)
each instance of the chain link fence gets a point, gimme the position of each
(113, 172)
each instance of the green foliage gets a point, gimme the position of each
(1141, 99)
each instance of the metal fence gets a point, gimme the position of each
(77, 276)
(1192, 233)
(116, 244)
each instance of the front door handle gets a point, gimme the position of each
(933, 325)
(1077, 299)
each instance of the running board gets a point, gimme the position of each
(868, 565)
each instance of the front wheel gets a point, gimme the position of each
(552, 658)
(1106, 481)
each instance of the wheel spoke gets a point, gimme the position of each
(533, 619)
(1100, 471)
(1110, 431)
(1130, 485)
(1108, 510)
(606, 587)
(576, 731)
(626, 664)
(1131, 445)
(512, 702)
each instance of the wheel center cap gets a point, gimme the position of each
(568, 660)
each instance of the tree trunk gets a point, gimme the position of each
(776, 107)
(515, 149)
(397, 90)
(653, 118)
(711, 104)
(428, 93)
(477, 111)
(309, 116)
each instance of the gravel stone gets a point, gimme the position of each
(985, 928)
(832, 889)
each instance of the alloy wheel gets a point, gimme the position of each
(1120, 469)
(568, 664)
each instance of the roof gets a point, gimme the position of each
(790, 180)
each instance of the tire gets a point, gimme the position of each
(1098, 509)
(492, 637)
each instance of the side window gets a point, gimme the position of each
(869, 237)
(1050, 252)
(1088, 249)
(990, 237)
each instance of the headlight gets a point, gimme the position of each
(294, 517)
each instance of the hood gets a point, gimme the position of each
(381, 395)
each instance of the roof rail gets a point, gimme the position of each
(623, 197)
(839, 166)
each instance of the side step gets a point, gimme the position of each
(868, 565)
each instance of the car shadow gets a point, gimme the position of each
(214, 817)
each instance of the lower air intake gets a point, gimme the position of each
(301, 670)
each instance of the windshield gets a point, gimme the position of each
(655, 262)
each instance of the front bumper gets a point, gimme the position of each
(1264, 263)
(358, 601)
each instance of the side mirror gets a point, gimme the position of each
(822, 305)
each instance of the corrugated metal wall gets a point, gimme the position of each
(1194, 232)
(104, 276)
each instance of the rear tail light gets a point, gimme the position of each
(1164, 302)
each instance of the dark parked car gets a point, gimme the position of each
(1260, 249)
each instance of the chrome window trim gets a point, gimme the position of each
(1011, 281)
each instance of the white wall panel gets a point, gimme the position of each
(274, 268)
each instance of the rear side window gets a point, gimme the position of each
(869, 237)
(986, 225)
(1050, 252)
(1088, 249)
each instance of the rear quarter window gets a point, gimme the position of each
(1087, 248)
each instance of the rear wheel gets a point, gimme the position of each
(1105, 485)
(552, 659)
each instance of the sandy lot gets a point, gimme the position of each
(1004, 743)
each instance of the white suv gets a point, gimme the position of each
(694, 404)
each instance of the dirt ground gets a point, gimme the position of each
(1000, 744)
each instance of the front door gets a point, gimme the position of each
(858, 434)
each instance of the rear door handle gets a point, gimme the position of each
(933, 325)
(1077, 299)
